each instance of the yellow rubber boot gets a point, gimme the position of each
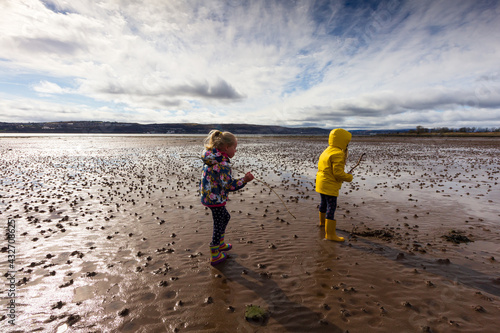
(330, 233)
(322, 219)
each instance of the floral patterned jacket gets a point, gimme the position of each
(216, 180)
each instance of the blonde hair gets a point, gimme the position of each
(217, 139)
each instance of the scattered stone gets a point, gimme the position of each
(479, 308)
(444, 261)
(123, 313)
(382, 311)
(407, 304)
(50, 319)
(67, 284)
(73, 319)
(345, 313)
(58, 305)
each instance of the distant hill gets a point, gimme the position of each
(103, 127)
(98, 127)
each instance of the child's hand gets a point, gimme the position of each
(248, 177)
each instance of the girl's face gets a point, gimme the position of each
(231, 150)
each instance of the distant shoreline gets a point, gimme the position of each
(486, 135)
(444, 135)
(99, 128)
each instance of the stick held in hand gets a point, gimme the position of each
(359, 161)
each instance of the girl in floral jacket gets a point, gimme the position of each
(216, 183)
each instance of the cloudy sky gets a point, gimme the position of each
(352, 64)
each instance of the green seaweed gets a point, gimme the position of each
(256, 313)
(456, 237)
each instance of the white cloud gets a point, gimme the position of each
(45, 87)
(268, 62)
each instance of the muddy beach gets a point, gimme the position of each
(110, 237)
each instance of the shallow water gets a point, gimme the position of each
(113, 223)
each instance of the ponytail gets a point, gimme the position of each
(217, 139)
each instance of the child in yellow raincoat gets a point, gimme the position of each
(329, 179)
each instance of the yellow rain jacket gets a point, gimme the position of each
(331, 164)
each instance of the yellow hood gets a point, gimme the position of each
(339, 138)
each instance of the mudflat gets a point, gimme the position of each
(110, 236)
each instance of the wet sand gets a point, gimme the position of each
(110, 237)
